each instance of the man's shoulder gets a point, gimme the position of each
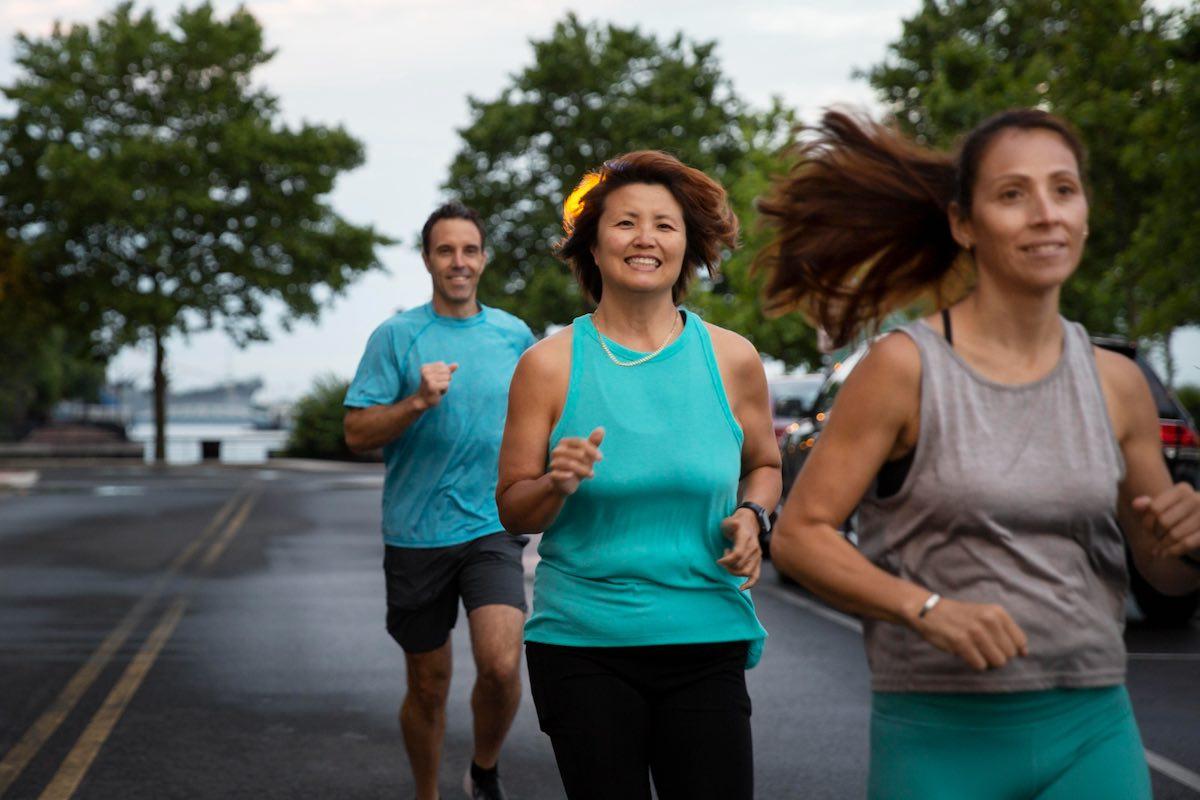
(505, 321)
(407, 321)
(418, 316)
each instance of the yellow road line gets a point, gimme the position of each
(21, 753)
(194, 546)
(79, 760)
(218, 547)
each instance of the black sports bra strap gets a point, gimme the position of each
(946, 327)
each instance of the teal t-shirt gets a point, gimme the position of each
(631, 559)
(440, 486)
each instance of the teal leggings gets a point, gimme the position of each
(1060, 744)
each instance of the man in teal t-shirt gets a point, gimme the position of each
(432, 390)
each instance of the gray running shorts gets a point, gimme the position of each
(424, 586)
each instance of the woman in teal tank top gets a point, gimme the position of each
(639, 440)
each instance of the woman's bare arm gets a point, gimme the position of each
(528, 495)
(876, 416)
(746, 389)
(1161, 521)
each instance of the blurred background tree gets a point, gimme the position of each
(595, 91)
(317, 422)
(42, 358)
(152, 188)
(1189, 395)
(1128, 76)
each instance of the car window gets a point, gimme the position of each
(1167, 407)
(1166, 404)
(794, 398)
(837, 376)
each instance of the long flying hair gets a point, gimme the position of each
(862, 222)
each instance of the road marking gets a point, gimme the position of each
(218, 547)
(73, 769)
(77, 763)
(1176, 772)
(1164, 656)
(119, 491)
(79, 760)
(1159, 763)
(21, 753)
(194, 546)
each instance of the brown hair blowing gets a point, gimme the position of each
(710, 225)
(862, 220)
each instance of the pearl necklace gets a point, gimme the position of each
(644, 358)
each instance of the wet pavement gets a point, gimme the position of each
(213, 632)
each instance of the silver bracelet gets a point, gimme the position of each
(933, 600)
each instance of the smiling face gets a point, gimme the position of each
(1029, 212)
(640, 240)
(455, 261)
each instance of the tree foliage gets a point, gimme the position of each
(1165, 141)
(42, 360)
(154, 189)
(591, 93)
(1189, 396)
(1125, 75)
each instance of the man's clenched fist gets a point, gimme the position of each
(435, 380)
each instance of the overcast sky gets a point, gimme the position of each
(397, 73)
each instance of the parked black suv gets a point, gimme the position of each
(1181, 449)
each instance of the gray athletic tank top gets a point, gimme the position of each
(1011, 499)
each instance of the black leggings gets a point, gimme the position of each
(617, 715)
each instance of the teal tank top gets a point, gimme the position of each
(631, 559)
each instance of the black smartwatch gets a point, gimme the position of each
(764, 520)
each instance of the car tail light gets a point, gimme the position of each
(1176, 435)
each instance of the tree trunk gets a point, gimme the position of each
(160, 401)
(1131, 314)
(1169, 358)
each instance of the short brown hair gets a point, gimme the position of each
(861, 221)
(451, 210)
(709, 222)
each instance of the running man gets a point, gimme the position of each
(432, 391)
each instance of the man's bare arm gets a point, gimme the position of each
(370, 428)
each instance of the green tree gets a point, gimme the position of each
(1189, 395)
(592, 93)
(317, 422)
(154, 189)
(1165, 141)
(1107, 67)
(42, 360)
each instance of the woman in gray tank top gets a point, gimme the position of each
(994, 454)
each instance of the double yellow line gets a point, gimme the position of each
(217, 535)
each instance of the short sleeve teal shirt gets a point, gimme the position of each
(440, 485)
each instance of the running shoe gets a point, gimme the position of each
(486, 788)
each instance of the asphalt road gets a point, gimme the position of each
(218, 633)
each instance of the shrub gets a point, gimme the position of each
(317, 422)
